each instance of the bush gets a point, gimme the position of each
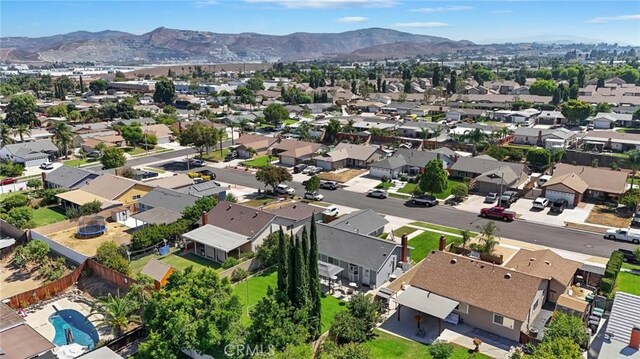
(21, 217)
(614, 166)
(48, 195)
(14, 201)
(440, 350)
(231, 198)
(53, 269)
(10, 169)
(404, 178)
(155, 234)
(460, 190)
(34, 183)
(539, 158)
(239, 274)
(33, 253)
(127, 172)
(230, 262)
(246, 256)
(384, 179)
(113, 256)
(86, 209)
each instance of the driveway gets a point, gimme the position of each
(361, 184)
(524, 209)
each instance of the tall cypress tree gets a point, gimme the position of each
(81, 85)
(314, 283)
(305, 244)
(292, 270)
(283, 264)
(301, 293)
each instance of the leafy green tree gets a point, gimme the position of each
(98, 86)
(602, 107)
(331, 350)
(63, 138)
(113, 256)
(199, 136)
(59, 110)
(112, 157)
(34, 183)
(33, 253)
(21, 217)
(14, 201)
(301, 293)
(275, 114)
(21, 111)
(312, 184)
(165, 92)
(116, 312)
(74, 116)
(156, 347)
(460, 190)
(267, 253)
(195, 310)
(193, 213)
(576, 111)
(273, 176)
(557, 348)
(5, 135)
(255, 83)
(434, 178)
(331, 131)
(539, 158)
(131, 133)
(567, 326)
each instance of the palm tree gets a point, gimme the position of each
(466, 237)
(5, 135)
(489, 237)
(22, 130)
(633, 159)
(425, 133)
(117, 312)
(221, 134)
(437, 131)
(63, 137)
(348, 127)
(475, 137)
(243, 124)
(332, 130)
(232, 125)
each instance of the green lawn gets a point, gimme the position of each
(628, 130)
(258, 202)
(438, 227)
(259, 162)
(409, 187)
(424, 243)
(134, 150)
(398, 195)
(176, 260)
(403, 230)
(289, 122)
(628, 282)
(385, 345)
(636, 181)
(215, 155)
(631, 266)
(79, 162)
(48, 215)
(384, 185)
(254, 289)
(153, 169)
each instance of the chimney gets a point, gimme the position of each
(404, 254)
(634, 340)
(443, 243)
(205, 218)
(44, 179)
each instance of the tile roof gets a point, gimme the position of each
(598, 179)
(66, 176)
(168, 199)
(237, 218)
(545, 264)
(571, 180)
(155, 269)
(365, 221)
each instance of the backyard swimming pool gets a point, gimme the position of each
(81, 330)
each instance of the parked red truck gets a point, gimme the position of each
(498, 213)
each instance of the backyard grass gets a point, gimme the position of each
(631, 266)
(628, 282)
(409, 187)
(423, 244)
(258, 201)
(259, 162)
(48, 215)
(384, 185)
(175, 259)
(438, 227)
(385, 345)
(254, 289)
(608, 217)
(342, 177)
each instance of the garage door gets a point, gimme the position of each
(553, 195)
(379, 172)
(286, 160)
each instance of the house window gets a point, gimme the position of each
(137, 196)
(332, 260)
(535, 305)
(462, 308)
(500, 320)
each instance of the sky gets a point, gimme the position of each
(478, 20)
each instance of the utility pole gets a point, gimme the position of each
(500, 194)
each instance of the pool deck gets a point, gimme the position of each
(40, 319)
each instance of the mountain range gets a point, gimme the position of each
(166, 45)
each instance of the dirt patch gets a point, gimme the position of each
(94, 287)
(342, 176)
(184, 69)
(15, 281)
(115, 232)
(609, 217)
(586, 227)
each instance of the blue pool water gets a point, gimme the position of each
(84, 333)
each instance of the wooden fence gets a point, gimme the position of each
(116, 278)
(46, 291)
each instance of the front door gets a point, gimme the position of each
(366, 277)
(353, 273)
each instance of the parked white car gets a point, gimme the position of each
(308, 169)
(540, 203)
(284, 189)
(378, 193)
(331, 211)
(314, 196)
(623, 234)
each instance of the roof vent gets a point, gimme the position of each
(532, 259)
(255, 215)
(229, 207)
(547, 263)
(507, 276)
(454, 261)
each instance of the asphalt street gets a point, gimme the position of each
(551, 236)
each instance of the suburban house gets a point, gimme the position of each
(456, 288)
(401, 108)
(605, 120)
(174, 182)
(162, 132)
(67, 177)
(19, 340)
(349, 155)
(407, 161)
(458, 114)
(420, 129)
(90, 144)
(542, 136)
(205, 189)
(574, 183)
(473, 167)
(158, 271)
(610, 140)
(83, 134)
(292, 152)
(364, 221)
(248, 142)
(36, 134)
(292, 216)
(29, 154)
(623, 328)
(108, 189)
(357, 257)
(162, 206)
(500, 179)
(551, 118)
(229, 229)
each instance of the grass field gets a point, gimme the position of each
(409, 187)
(79, 162)
(254, 289)
(259, 162)
(215, 155)
(134, 150)
(258, 202)
(628, 282)
(289, 122)
(424, 243)
(48, 215)
(631, 266)
(176, 260)
(384, 185)
(438, 227)
(385, 346)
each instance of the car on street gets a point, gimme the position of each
(424, 200)
(540, 203)
(623, 234)
(315, 196)
(377, 193)
(629, 256)
(559, 205)
(8, 180)
(208, 173)
(498, 213)
(331, 211)
(299, 168)
(284, 189)
(329, 185)
(198, 163)
(46, 166)
(491, 197)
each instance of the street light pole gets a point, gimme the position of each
(500, 195)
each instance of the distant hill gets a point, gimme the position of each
(165, 45)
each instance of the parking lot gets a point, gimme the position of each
(524, 210)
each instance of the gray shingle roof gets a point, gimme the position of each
(158, 215)
(204, 189)
(357, 152)
(390, 163)
(68, 177)
(34, 149)
(482, 165)
(364, 221)
(168, 199)
(498, 175)
(366, 251)
(244, 220)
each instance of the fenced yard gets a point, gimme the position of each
(115, 232)
(175, 259)
(47, 215)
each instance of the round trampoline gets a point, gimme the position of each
(91, 226)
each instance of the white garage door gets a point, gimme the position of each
(286, 160)
(553, 195)
(379, 172)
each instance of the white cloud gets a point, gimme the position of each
(205, 3)
(606, 19)
(353, 19)
(326, 4)
(421, 24)
(431, 10)
(502, 12)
